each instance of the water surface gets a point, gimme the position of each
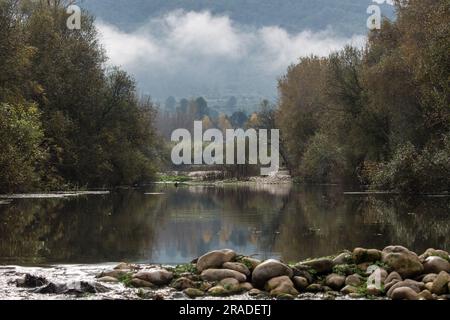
(164, 224)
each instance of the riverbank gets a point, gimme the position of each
(392, 273)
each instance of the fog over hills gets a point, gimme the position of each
(223, 48)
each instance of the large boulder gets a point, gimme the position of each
(435, 264)
(215, 259)
(440, 283)
(281, 286)
(321, 265)
(434, 253)
(400, 259)
(413, 285)
(404, 293)
(236, 266)
(335, 281)
(220, 274)
(269, 269)
(361, 255)
(159, 277)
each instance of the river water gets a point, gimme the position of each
(165, 224)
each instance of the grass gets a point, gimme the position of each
(183, 268)
(126, 279)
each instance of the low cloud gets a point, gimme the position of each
(198, 53)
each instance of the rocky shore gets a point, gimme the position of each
(392, 273)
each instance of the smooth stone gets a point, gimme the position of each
(114, 274)
(215, 259)
(267, 270)
(393, 276)
(246, 286)
(284, 289)
(349, 289)
(108, 280)
(276, 282)
(335, 281)
(440, 284)
(230, 284)
(125, 266)
(300, 283)
(321, 265)
(435, 264)
(429, 285)
(183, 283)
(315, 287)
(303, 272)
(429, 278)
(404, 293)
(389, 285)
(220, 274)
(158, 277)
(402, 260)
(343, 258)
(426, 295)
(218, 291)
(193, 293)
(236, 266)
(285, 296)
(414, 285)
(361, 255)
(139, 283)
(354, 280)
(436, 253)
(254, 292)
(373, 290)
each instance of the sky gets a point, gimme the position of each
(190, 53)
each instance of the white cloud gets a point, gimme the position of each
(189, 53)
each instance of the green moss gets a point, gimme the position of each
(348, 269)
(126, 279)
(183, 268)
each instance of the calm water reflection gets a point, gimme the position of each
(291, 223)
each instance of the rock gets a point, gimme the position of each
(220, 274)
(303, 272)
(389, 285)
(414, 285)
(429, 278)
(281, 286)
(315, 287)
(159, 277)
(321, 265)
(285, 296)
(51, 288)
(218, 291)
(230, 284)
(404, 293)
(251, 263)
(300, 283)
(126, 266)
(440, 284)
(400, 259)
(254, 292)
(425, 295)
(335, 281)
(193, 293)
(429, 285)
(343, 258)
(361, 255)
(434, 253)
(355, 295)
(267, 270)
(435, 264)
(374, 290)
(182, 284)
(354, 280)
(393, 276)
(246, 286)
(236, 266)
(205, 285)
(114, 274)
(74, 287)
(276, 282)
(31, 281)
(139, 283)
(108, 280)
(349, 289)
(215, 259)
